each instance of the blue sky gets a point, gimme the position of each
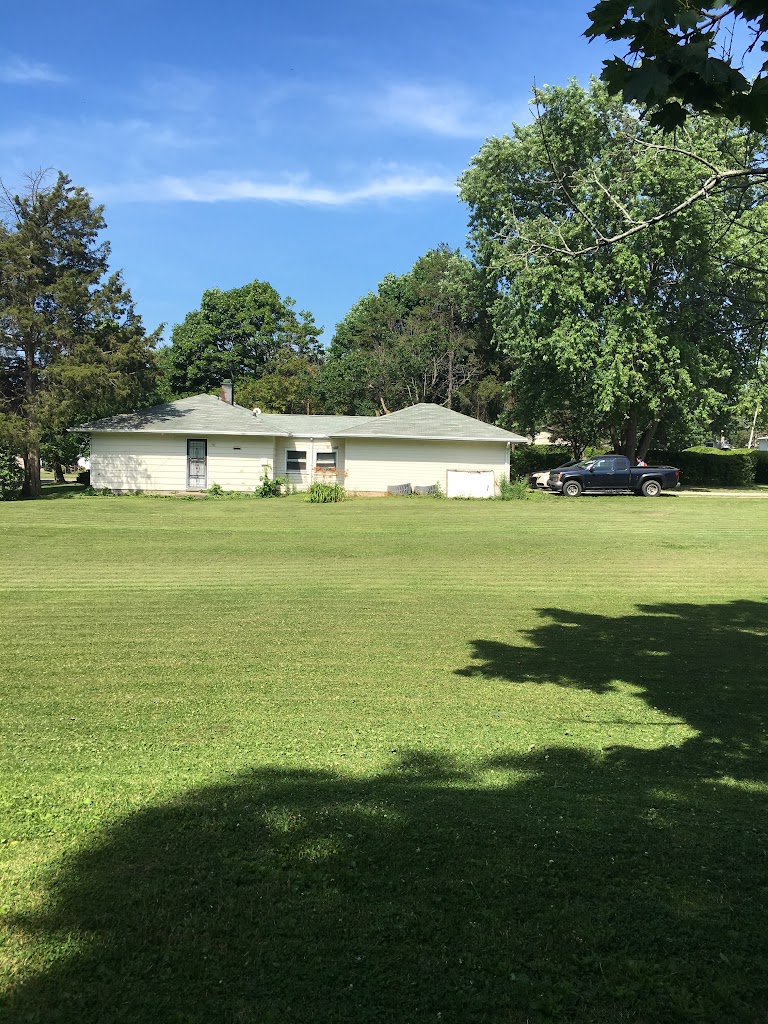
(315, 146)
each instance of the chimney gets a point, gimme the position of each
(226, 392)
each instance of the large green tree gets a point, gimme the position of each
(423, 336)
(657, 331)
(243, 334)
(71, 344)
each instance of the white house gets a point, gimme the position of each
(193, 443)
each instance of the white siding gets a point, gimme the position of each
(158, 462)
(374, 465)
(311, 446)
(237, 463)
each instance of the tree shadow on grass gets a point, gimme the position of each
(568, 886)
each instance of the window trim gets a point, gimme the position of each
(333, 454)
(300, 458)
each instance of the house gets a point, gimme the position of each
(195, 442)
(762, 444)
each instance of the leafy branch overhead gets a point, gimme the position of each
(683, 57)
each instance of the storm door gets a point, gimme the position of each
(197, 453)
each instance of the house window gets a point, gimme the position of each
(295, 461)
(326, 460)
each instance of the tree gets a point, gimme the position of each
(681, 57)
(288, 384)
(240, 334)
(422, 336)
(660, 328)
(71, 344)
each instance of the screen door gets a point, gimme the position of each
(197, 452)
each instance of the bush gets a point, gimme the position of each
(11, 476)
(517, 491)
(322, 494)
(84, 478)
(528, 458)
(270, 488)
(709, 467)
(760, 462)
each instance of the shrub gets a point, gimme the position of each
(216, 491)
(760, 462)
(322, 494)
(11, 476)
(270, 488)
(517, 491)
(709, 467)
(84, 478)
(530, 457)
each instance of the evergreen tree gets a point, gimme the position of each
(71, 344)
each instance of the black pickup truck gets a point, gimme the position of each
(612, 474)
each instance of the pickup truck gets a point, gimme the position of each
(612, 474)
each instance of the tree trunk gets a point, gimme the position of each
(58, 472)
(629, 436)
(450, 379)
(754, 424)
(647, 438)
(614, 438)
(31, 487)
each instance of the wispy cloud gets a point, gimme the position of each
(449, 110)
(18, 71)
(296, 190)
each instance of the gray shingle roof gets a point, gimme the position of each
(430, 422)
(201, 414)
(308, 426)
(206, 414)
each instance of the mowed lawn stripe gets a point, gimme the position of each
(386, 760)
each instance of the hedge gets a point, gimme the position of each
(761, 467)
(530, 457)
(699, 467)
(710, 467)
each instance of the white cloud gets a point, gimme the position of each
(18, 71)
(299, 191)
(440, 110)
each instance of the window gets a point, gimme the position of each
(295, 461)
(326, 460)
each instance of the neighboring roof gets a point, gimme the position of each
(430, 423)
(206, 414)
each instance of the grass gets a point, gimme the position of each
(395, 760)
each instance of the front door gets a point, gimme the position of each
(197, 453)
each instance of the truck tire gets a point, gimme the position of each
(572, 488)
(651, 488)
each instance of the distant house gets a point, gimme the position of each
(195, 442)
(762, 444)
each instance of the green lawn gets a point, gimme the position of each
(393, 761)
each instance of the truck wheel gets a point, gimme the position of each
(651, 488)
(572, 489)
